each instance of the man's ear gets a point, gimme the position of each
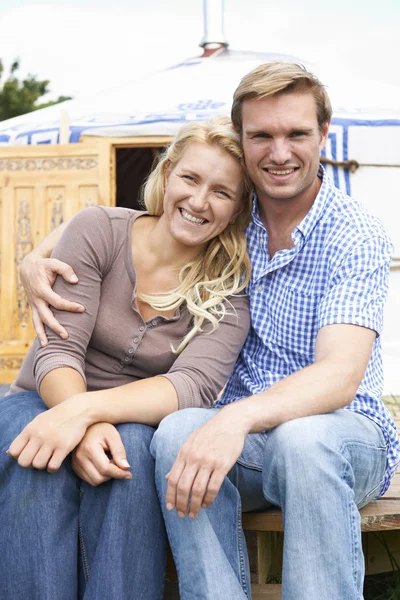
(324, 134)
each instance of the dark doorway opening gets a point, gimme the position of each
(132, 168)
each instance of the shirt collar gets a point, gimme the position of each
(316, 211)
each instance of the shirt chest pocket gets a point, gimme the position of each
(293, 317)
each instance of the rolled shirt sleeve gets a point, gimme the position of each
(86, 245)
(359, 286)
(203, 367)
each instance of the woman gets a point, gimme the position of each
(162, 327)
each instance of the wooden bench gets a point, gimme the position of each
(265, 545)
(264, 531)
(378, 516)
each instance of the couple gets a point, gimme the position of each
(300, 423)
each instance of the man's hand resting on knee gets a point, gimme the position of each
(204, 461)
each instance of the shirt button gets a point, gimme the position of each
(259, 288)
(126, 359)
(130, 350)
(141, 328)
(154, 322)
(136, 339)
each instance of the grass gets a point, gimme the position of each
(393, 404)
(385, 586)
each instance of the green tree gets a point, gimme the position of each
(19, 97)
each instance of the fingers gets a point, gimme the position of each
(41, 314)
(39, 327)
(63, 269)
(29, 452)
(91, 462)
(192, 484)
(97, 471)
(46, 316)
(56, 460)
(117, 449)
(18, 444)
(56, 301)
(105, 467)
(213, 487)
(199, 489)
(89, 473)
(173, 480)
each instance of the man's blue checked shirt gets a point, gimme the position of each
(337, 272)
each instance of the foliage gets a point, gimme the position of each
(18, 97)
(393, 404)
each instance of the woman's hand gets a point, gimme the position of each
(46, 441)
(38, 276)
(90, 459)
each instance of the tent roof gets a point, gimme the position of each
(194, 90)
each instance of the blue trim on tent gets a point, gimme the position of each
(365, 122)
(182, 118)
(333, 140)
(346, 157)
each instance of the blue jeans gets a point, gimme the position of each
(318, 469)
(52, 523)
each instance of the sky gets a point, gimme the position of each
(85, 46)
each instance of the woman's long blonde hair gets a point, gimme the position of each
(223, 267)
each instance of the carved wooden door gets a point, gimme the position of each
(40, 187)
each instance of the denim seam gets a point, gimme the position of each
(375, 490)
(354, 544)
(247, 465)
(240, 548)
(85, 562)
(353, 511)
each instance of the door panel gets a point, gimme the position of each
(40, 187)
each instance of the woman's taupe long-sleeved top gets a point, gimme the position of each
(110, 344)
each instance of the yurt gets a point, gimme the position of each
(98, 150)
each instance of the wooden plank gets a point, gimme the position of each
(378, 515)
(266, 592)
(258, 592)
(145, 141)
(270, 520)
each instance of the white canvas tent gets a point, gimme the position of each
(363, 151)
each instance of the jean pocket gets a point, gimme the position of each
(371, 495)
(252, 456)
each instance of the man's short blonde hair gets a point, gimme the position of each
(275, 78)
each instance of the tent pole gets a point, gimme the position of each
(64, 127)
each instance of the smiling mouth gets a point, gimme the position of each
(191, 219)
(281, 172)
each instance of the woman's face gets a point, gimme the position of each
(203, 193)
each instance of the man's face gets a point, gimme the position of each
(282, 144)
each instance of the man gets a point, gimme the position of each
(300, 424)
(279, 435)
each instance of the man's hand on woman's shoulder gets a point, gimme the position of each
(38, 275)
